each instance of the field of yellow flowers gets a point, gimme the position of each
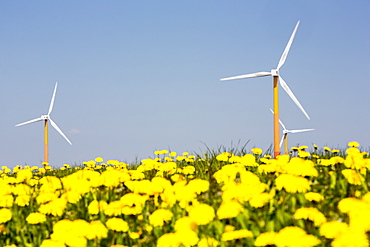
(308, 198)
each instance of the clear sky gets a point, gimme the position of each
(139, 76)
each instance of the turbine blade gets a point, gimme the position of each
(59, 130)
(287, 48)
(31, 121)
(52, 99)
(258, 74)
(291, 95)
(281, 123)
(298, 131)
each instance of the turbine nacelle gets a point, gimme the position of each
(45, 117)
(275, 72)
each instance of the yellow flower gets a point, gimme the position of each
(303, 147)
(312, 196)
(353, 144)
(293, 236)
(35, 218)
(303, 154)
(55, 207)
(5, 215)
(24, 175)
(266, 238)
(134, 235)
(292, 183)
(159, 216)
(228, 236)
(333, 229)
(52, 243)
(311, 214)
(260, 200)
(97, 230)
(98, 159)
(117, 224)
(327, 149)
(351, 238)
(185, 223)
(168, 240)
(202, 213)
(208, 242)
(229, 209)
(352, 176)
(6, 201)
(187, 237)
(256, 151)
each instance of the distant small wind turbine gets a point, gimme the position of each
(46, 119)
(276, 78)
(284, 138)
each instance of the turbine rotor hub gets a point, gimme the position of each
(275, 72)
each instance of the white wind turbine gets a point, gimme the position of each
(276, 78)
(46, 119)
(284, 138)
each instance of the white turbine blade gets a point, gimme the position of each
(290, 93)
(298, 131)
(52, 99)
(281, 123)
(258, 74)
(31, 121)
(287, 48)
(282, 139)
(60, 132)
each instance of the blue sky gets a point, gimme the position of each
(135, 77)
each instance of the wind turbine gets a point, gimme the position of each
(284, 138)
(47, 119)
(276, 78)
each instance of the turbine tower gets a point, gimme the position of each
(276, 78)
(46, 118)
(284, 138)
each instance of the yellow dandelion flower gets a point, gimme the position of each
(266, 238)
(229, 209)
(5, 215)
(351, 238)
(159, 216)
(187, 237)
(314, 197)
(353, 144)
(117, 224)
(97, 231)
(352, 176)
(293, 236)
(134, 235)
(311, 214)
(260, 200)
(168, 240)
(238, 234)
(52, 243)
(333, 229)
(208, 242)
(35, 218)
(185, 223)
(303, 154)
(292, 183)
(202, 213)
(256, 151)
